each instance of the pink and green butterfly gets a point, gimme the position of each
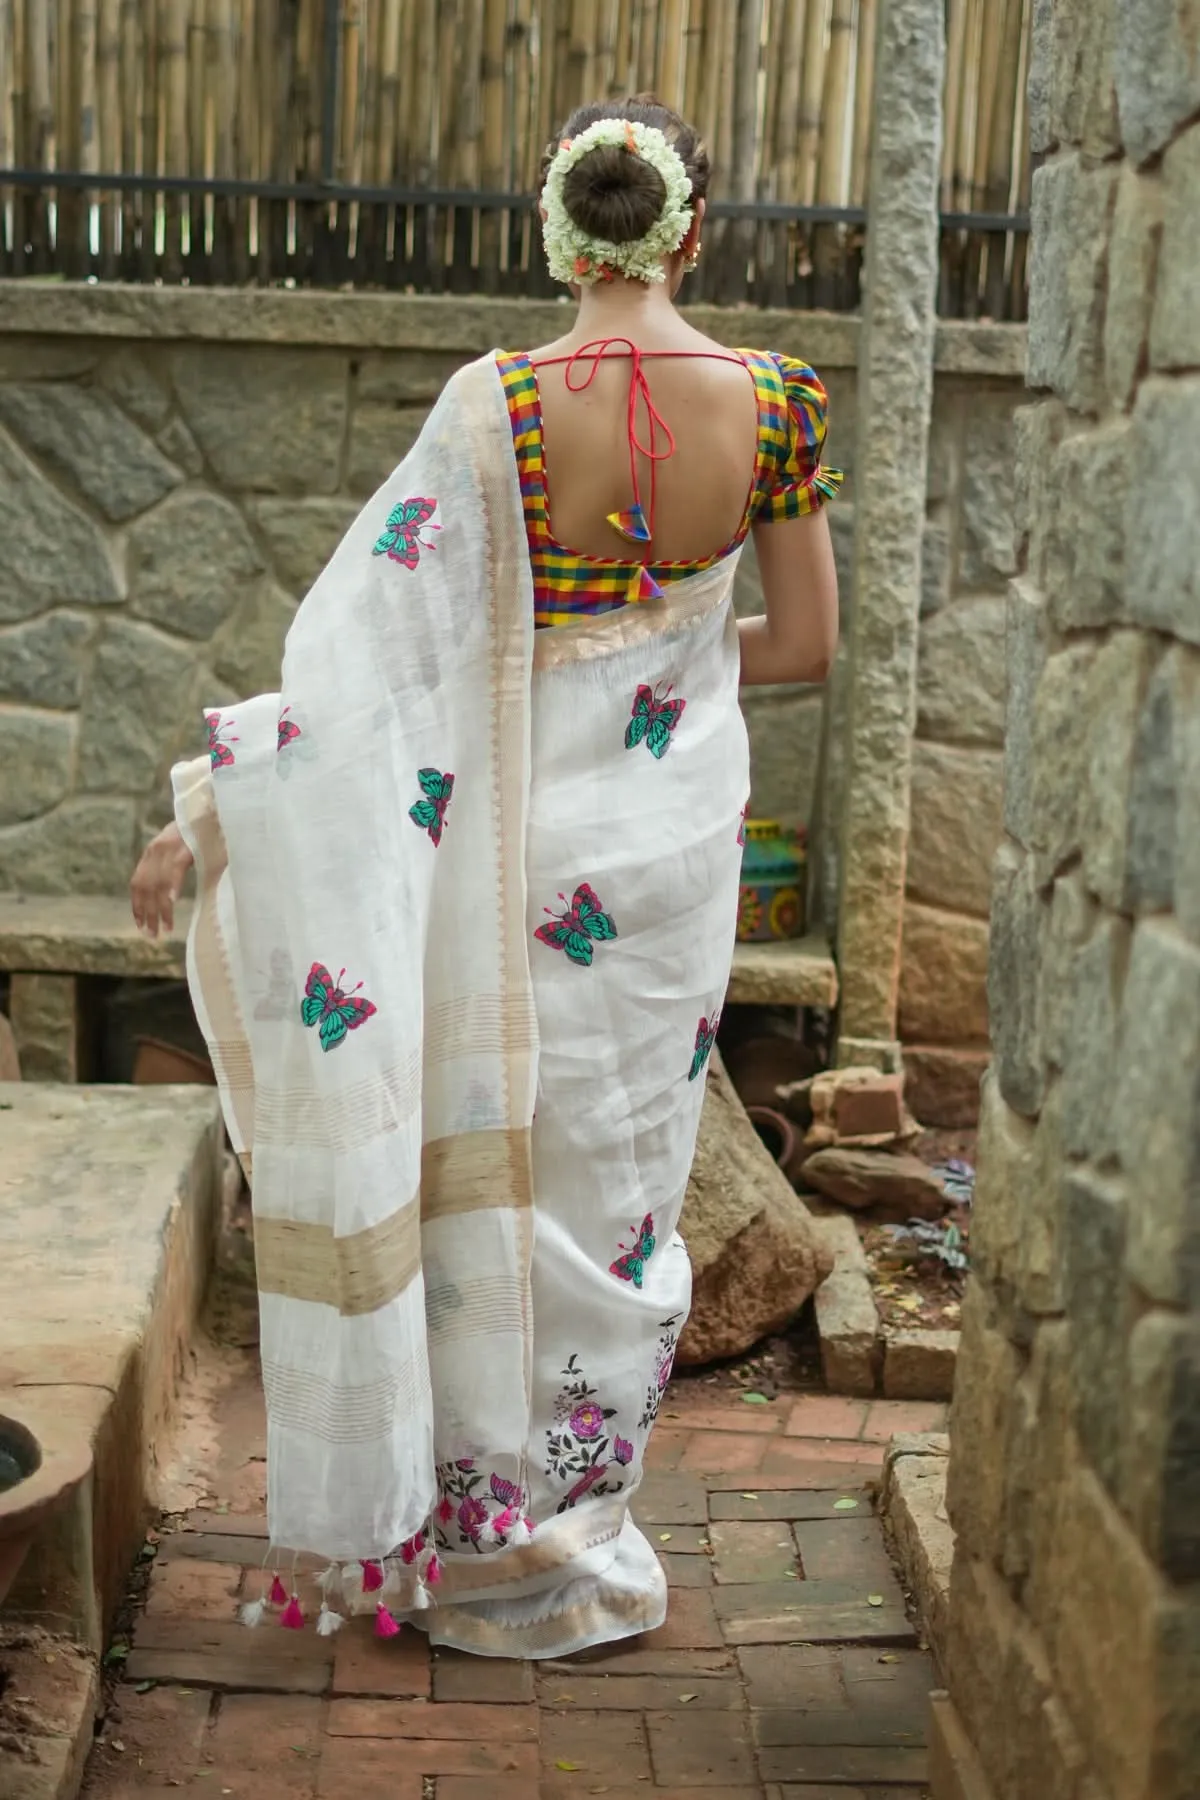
(706, 1037)
(400, 540)
(631, 1264)
(654, 718)
(220, 755)
(328, 1006)
(582, 924)
(430, 813)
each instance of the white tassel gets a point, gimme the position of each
(487, 1533)
(328, 1622)
(520, 1534)
(421, 1600)
(329, 1579)
(252, 1615)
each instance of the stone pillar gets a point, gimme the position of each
(1074, 1489)
(895, 388)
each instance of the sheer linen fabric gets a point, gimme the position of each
(466, 1207)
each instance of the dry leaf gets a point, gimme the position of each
(686, 1699)
(569, 1768)
(664, 1537)
(889, 1657)
(845, 1505)
(749, 1496)
(874, 1599)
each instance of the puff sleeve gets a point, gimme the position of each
(799, 482)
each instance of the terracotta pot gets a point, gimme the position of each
(163, 1065)
(762, 1065)
(776, 1132)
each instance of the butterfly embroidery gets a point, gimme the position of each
(430, 813)
(583, 923)
(706, 1037)
(631, 1264)
(325, 1003)
(287, 729)
(401, 539)
(653, 721)
(742, 826)
(221, 755)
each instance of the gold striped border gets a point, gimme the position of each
(355, 1275)
(476, 1172)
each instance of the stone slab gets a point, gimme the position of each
(847, 1319)
(108, 1215)
(801, 973)
(955, 1772)
(914, 1511)
(57, 1683)
(919, 1365)
(86, 935)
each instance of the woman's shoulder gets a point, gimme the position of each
(794, 374)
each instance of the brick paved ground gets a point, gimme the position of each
(787, 1670)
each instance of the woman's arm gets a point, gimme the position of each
(158, 881)
(795, 639)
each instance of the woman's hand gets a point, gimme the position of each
(158, 879)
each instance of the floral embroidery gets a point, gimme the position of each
(631, 1264)
(582, 1446)
(654, 719)
(476, 1516)
(430, 813)
(287, 729)
(400, 540)
(220, 754)
(706, 1037)
(664, 1362)
(582, 923)
(326, 1004)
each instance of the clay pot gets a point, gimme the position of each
(164, 1065)
(762, 1065)
(778, 1137)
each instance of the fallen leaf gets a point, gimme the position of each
(910, 1302)
(664, 1537)
(874, 1599)
(569, 1768)
(845, 1505)
(144, 1687)
(756, 1400)
(889, 1657)
(749, 1496)
(118, 1746)
(686, 1699)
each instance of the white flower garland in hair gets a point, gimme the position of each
(575, 255)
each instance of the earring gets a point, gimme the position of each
(691, 261)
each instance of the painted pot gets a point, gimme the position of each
(771, 896)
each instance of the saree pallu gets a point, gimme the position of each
(465, 915)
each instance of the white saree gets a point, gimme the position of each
(465, 917)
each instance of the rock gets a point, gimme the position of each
(1002, 1196)
(127, 377)
(1083, 101)
(39, 749)
(82, 847)
(1026, 641)
(1163, 585)
(919, 1365)
(1187, 792)
(960, 672)
(847, 1320)
(10, 1062)
(141, 706)
(249, 652)
(400, 377)
(957, 816)
(913, 1504)
(892, 1184)
(987, 551)
(1060, 745)
(41, 663)
(985, 1381)
(1175, 331)
(1083, 567)
(1157, 73)
(943, 978)
(1037, 432)
(937, 562)
(1097, 1301)
(45, 1023)
(1071, 207)
(87, 441)
(268, 420)
(381, 436)
(301, 536)
(785, 735)
(756, 1255)
(1019, 921)
(177, 442)
(1112, 704)
(1155, 787)
(1161, 1474)
(1070, 922)
(1091, 1070)
(942, 1084)
(189, 563)
(1135, 255)
(53, 554)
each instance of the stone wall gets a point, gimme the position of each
(175, 467)
(1074, 1656)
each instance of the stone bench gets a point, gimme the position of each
(47, 944)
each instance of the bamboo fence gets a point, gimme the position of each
(396, 142)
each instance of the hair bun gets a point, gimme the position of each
(613, 194)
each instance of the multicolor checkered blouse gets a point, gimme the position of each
(789, 481)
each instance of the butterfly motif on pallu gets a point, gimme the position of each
(583, 923)
(654, 719)
(400, 540)
(287, 730)
(430, 813)
(220, 754)
(631, 1264)
(326, 1004)
(706, 1037)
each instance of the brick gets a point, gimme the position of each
(794, 1727)
(683, 1540)
(802, 1464)
(869, 1106)
(567, 1787)
(787, 1503)
(670, 1499)
(886, 1418)
(200, 1590)
(753, 1551)
(826, 1416)
(843, 1550)
(369, 1770)
(665, 1448)
(700, 1748)
(483, 1787)
(601, 1744)
(691, 1623)
(686, 1571)
(723, 1453)
(207, 1654)
(823, 1612)
(640, 1693)
(837, 1763)
(734, 1416)
(430, 1720)
(265, 1744)
(483, 1679)
(163, 1730)
(804, 1675)
(633, 1658)
(398, 1669)
(788, 1455)
(919, 1365)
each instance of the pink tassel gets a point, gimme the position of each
(279, 1594)
(385, 1625)
(372, 1577)
(433, 1573)
(293, 1618)
(505, 1520)
(409, 1552)
(445, 1511)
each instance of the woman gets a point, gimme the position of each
(466, 901)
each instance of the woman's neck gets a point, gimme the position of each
(608, 308)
